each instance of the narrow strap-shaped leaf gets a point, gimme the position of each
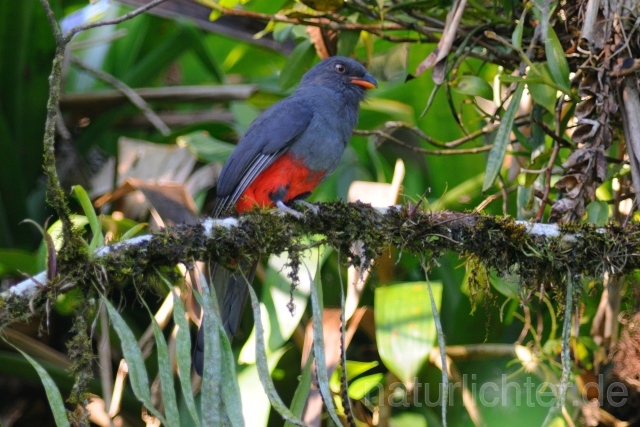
(496, 155)
(263, 366)
(231, 399)
(318, 351)
(90, 213)
(133, 356)
(53, 394)
(183, 356)
(166, 375)
(212, 375)
(302, 391)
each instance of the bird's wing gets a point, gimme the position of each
(268, 137)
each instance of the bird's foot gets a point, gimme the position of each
(313, 208)
(284, 209)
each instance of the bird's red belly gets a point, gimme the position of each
(287, 175)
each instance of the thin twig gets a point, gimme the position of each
(114, 21)
(126, 91)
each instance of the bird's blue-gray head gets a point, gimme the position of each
(342, 74)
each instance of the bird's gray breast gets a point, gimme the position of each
(322, 143)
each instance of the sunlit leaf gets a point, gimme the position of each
(499, 149)
(206, 147)
(405, 326)
(96, 229)
(360, 387)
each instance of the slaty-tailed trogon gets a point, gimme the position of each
(283, 156)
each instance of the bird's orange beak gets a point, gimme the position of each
(367, 82)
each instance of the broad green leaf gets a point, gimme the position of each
(298, 63)
(206, 147)
(405, 326)
(17, 260)
(557, 61)
(56, 404)
(355, 368)
(96, 228)
(360, 387)
(347, 42)
(473, 86)
(133, 356)
(598, 212)
(55, 230)
(507, 286)
(496, 155)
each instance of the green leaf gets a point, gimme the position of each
(231, 397)
(598, 213)
(298, 63)
(496, 155)
(318, 350)
(212, 373)
(255, 402)
(302, 391)
(347, 42)
(279, 324)
(206, 147)
(360, 387)
(55, 231)
(96, 228)
(516, 37)
(507, 286)
(53, 394)
(355, 368)
(166, 374)
(263, 366)
(557, 60)
(541, 93)
(183, 354)
(473, 86)
(405, 326)
(133, 356)
(17, 260)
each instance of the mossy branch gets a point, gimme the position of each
(536, 253)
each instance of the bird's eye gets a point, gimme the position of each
(340, 68)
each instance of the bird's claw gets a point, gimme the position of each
(284, 209)
(313, 208)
